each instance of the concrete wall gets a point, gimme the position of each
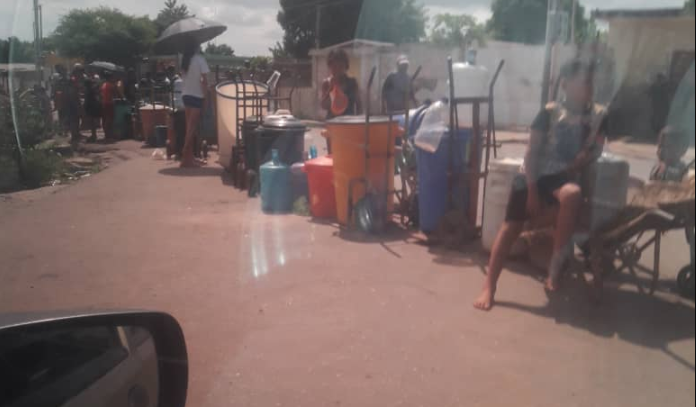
(517, 94)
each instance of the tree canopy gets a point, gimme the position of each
(525, 20)
(104, 34)
(384, 20)
(457, 30)
(15, 50)
(221, 49)
(170, 14)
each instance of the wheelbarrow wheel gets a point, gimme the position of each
(685, 282)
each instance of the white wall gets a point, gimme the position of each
(517, 93)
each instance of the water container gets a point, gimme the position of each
(470, 81)
(606, 187)
(276, 187)
(433, 182)
(235, 101)
(322, 195)
(501, 173)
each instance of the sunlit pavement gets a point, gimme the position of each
(281, 311)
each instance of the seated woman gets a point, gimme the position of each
(566, 137)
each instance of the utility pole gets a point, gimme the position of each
(37, 41)
(551, 33)
(317, 28)
(572, 21)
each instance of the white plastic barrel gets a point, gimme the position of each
(230, 95)
(607, 188)
(501, 173)
(471, 81)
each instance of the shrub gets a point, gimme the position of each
(40, 167)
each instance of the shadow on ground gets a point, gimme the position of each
(192, 172)
(644, 320)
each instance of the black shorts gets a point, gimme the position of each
(546, 186)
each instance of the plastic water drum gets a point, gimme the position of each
(607, 188)
(433, 182)
(276, 186)
(501, 173)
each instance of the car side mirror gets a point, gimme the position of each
(109, 359)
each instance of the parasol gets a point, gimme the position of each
(107, 66)
(180, 33)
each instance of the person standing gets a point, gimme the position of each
(108, 92)
(397, 90)
(72, 101)
(340, 95)
(92, 107)
(194, 91)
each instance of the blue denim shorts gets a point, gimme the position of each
(192, 101)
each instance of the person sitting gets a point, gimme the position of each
(566, 137)
(672, 145)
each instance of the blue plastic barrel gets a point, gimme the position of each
(276, 186)
(433, 183)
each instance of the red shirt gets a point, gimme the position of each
(107, 93)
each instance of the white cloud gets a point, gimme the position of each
(252, 25)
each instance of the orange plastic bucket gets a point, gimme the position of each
(322, 196)
(347, 135)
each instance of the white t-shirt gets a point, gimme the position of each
(178, 93)
(192, 78)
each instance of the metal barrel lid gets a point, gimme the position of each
(360, 120)
(283, 119)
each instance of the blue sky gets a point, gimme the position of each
(252, 23)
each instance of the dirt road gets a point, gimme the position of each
(281, 311)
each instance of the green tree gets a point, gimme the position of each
(170, 14)
(384, 20)
(104, 34)
(215, 49)
(457, 31)
(279, 51)
(15, 50)
(525, 20)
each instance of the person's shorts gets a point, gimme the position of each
(546, 186)
(192, 101)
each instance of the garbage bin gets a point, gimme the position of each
(122, 113)
(249, 136)
(434, 183)
(282, 132)
(347, 137)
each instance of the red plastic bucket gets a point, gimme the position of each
(322, 196)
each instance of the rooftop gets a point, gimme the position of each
(638, 13)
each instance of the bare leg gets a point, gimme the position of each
(507, 236)
(193, 116)
(570, 198)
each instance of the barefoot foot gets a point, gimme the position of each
(486, 300)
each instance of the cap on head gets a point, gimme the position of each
(402, 60)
